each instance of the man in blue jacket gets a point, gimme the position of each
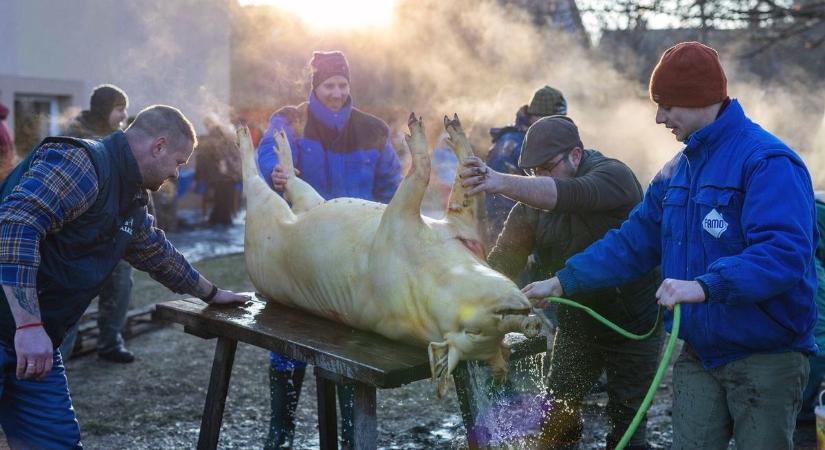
(341, 152)
(504, 154)
(732, 223)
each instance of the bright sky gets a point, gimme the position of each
(336, 13)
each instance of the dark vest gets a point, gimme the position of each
(75, 261)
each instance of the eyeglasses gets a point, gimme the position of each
(539, 170)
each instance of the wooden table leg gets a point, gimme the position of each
(216, 395)
(327, 420)
(364, 417)
(464, 392)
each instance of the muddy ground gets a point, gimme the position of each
(156, 402)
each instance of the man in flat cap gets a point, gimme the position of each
(570, 198)
(731, 221)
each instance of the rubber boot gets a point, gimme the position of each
(561, 428)
(284, 389)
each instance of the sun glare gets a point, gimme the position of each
(338, 14)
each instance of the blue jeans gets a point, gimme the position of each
(36, 413)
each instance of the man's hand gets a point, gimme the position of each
(478, 177)
(224, 297)
(34, 353)
(279, 178)
(538, 291)
(673, 291)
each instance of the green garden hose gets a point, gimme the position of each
(660, 372)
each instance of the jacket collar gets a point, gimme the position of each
(333, 120)
(589, 159)
(710, 135)
(128, 170)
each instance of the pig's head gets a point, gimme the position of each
(472, 305)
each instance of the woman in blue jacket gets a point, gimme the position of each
(341, 152)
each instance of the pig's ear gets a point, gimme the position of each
(443, 360)
(404, 210)
(463, 211)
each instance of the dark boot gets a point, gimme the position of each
(284, 389)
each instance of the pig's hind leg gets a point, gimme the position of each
(299, 193)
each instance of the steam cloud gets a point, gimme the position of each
(483, 61)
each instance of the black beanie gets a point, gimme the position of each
(105, 98)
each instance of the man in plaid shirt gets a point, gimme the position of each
(69, 213)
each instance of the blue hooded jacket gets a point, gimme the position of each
(340, 154)
(735, 210)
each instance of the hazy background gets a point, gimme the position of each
(482, 59)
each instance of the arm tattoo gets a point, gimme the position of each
(27, 299)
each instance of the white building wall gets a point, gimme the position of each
(175, 52)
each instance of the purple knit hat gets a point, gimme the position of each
(328, 64)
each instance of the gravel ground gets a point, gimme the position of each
(156, 403)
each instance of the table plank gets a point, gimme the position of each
(335, 347)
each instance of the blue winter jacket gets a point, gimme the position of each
(343, 154)
(735, 210)
(503, 157)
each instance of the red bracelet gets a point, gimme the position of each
(30, 325)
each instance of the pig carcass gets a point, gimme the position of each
(385, 268)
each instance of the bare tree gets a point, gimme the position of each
(769, 22)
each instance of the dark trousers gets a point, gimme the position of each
(577, 362)
(113, 305)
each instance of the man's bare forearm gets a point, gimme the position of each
(24, 305)
(538, 192)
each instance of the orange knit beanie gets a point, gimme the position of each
(690, 75)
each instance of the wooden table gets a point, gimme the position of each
(338, 352)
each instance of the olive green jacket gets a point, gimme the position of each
(597, 199)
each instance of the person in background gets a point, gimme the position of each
(218, 167)
(810, 396)
(107, 111)
(341, 152)
(7, 151)
(504, 154)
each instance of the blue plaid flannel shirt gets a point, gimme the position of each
(60, 185)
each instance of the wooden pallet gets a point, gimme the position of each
(138, 321)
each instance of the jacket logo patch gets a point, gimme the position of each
(714, 223)
(128, 226)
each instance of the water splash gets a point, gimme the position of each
(507, 415)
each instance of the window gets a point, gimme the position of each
(35, 117)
